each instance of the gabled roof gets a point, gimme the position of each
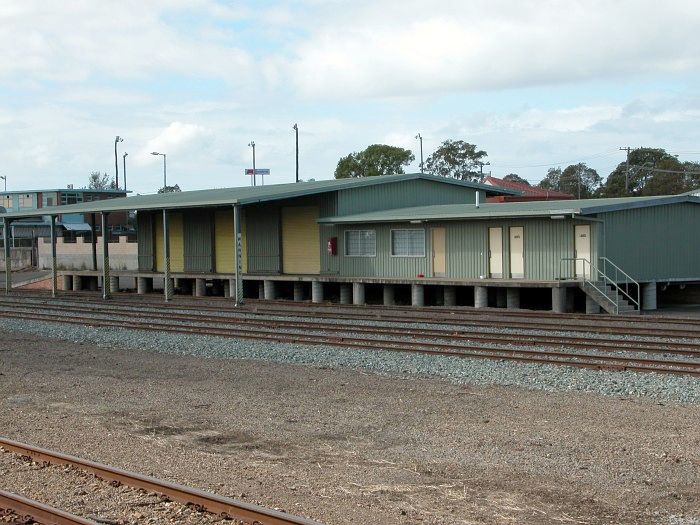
(243, 195)
(525, 189)
(581, 207)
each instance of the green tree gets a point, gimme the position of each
(514, 177)
(577, 179)
(375, 160)
(170, 189)
(457, 159)
(645, 176)
(100, 181)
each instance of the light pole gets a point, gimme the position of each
(117, 140)
(296, 132)
(165, 173)
(252, 145)
(124, 170)
(4, 178)
(419, 137)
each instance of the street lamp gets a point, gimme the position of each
(124, 170)
(296, 132)
(165, 174)
(117, 140)
(252, 145)
(4, 178)
(421, 151)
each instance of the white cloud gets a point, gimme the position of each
(177, 138)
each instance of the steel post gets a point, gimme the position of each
(238, 254)
(106, 282)
(8, 256)
(54, 276)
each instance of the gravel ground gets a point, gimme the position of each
(84, 495)
(347, 446)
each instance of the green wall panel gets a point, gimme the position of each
(144, 236)
(262, 232)
(198, 245)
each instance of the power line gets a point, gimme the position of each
(667, 171)
(575, 161)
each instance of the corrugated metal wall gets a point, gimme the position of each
(144, 237)
(177, 258)
(224, 248)
(402, 195)
(300, 240)
(263, 227)
(197, 239)
(655, 243)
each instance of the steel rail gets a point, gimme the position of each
(227, 508)
(610, 345)
(597, 362)
(653, 332)
(37, 511)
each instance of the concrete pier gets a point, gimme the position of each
(449, 294)
(481, 296)
(200, 287)
(417, 295)
(346, 294)
(269, 292)
(512, 297)
(298, 291)
(261, 291)
(316, 292)
(591, 306)
(388, 295)
(144, 285)
(77, 283)
(559, 300)
(358, 293)
(228, 288)
(114, 284)
(66, 282)
(648, 296)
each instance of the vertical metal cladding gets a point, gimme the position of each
(657, 242)
(263, 227)
(300, 240)
(175, 227)
(224, 241)
(198, 245)
(145, 238)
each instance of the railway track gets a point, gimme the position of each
(140, 317)
(226, 508)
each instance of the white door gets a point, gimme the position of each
(517, 259)
(496, 252)
(582, 245)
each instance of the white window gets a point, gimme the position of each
(26, 201)
(408, 243)
(360, 243)
(7, 202)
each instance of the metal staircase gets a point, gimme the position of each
(608, 285)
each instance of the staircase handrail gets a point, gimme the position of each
(590, 282)
(628, 280)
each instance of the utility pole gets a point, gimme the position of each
(252, 145)
(481, 168)
(116, 161)
(627, 171)
(296, 132)
(420, 138)
(124, 170)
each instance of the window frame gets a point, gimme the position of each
(391, 243)
(345, 243)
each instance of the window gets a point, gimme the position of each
(71, 198)
(408, 243)
(26, 200)
(360, 243)
(7, 202)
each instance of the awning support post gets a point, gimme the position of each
(54, 277)
(167, 290)
(106, 292)
(238, 253)
(8, 256)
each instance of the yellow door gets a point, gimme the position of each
(224, 245)
(517, 260)
(177, 247)
(582, 246)
(301, 248)
(439, 266)
(496, 252)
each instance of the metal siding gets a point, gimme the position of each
(144, 236)
(197, 238)
(224, 249)
(401, 195)
(177, 244)
(160, 267)
(655, 243)
(300, 240)
(262, 226)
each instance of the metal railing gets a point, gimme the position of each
(594, 276)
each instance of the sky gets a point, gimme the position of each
(534, 83)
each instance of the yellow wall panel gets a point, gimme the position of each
(224, 242)
(301, 250)
(158, 220)
(177, 245)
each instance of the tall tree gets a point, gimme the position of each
(650, 173)
(170, 189)
(514, 177)
(375, 160)
(100, 181)
(457, 159)
(577, 179)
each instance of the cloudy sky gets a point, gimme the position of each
(536, 83)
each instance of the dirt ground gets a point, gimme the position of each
(343, 446)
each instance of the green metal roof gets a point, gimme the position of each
(509, 209)
(244, 195)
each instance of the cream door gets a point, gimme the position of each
(582, 245)
(496, 252)
(301, 244)
(439, 265)
(517, 259)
